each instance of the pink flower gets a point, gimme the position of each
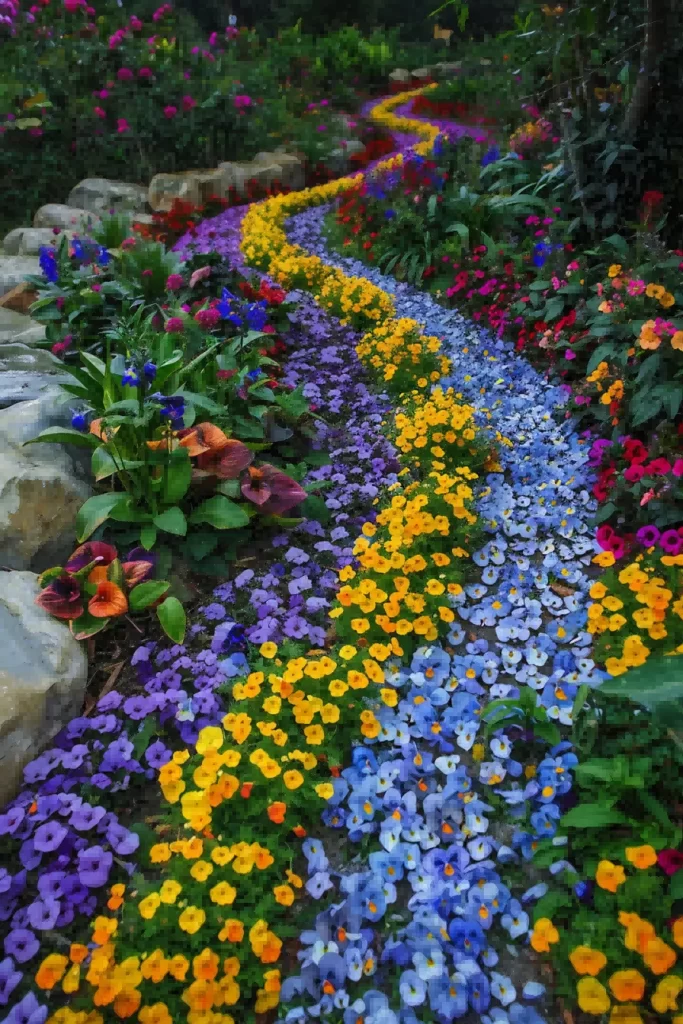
(569, 354)
(124, 74)
(185, 307)
(72, 5)
(532, 219)
(648, 496)
(635, 473)
(548, 220)
(135, 23)
(213, 38)
(174, 282)
(321, 128)
(103, 94)
(122, 125)
(174, 325)
(145, 73)
(241, 101)
(189, 102)
(129, 243)
(670, 861)
(99, 112)
(170, 111)
(200, 275)
(147, 273)
(678, 467)
(96, 287)
(207, 318)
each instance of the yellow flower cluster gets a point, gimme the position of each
(639, 607)
(437, 429)
(382, 115)
(402, 356)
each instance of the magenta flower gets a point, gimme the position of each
(671, 542)
(174, 282)
(124, 74)
(670, 861)
(241, 101)
(98, 112)
(189, 102)
(174, 325)
(272, 490)
(207, 318)
(122, 125)
(145, 73)
(170, 111)
(648, 536)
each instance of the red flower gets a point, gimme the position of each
(670, 861)
(62, 598)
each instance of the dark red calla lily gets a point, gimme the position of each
(139, 566)
(272, 490)
(670, 861)
(227, 462)
(62, 598)
(93, 550)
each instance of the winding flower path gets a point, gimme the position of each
(523, 628)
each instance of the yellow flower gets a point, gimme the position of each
(665, 996)
(268, 649)
(191, 920)
(149, 906)
(592, 997)
(210, 738)
(293, 779)
(325, 790)
(627, 986)
(585, 960)
(170, 890)
(284, 895)
(223, 894)
(201, 870)
(614, 270)
(641, 856)
(609, 876)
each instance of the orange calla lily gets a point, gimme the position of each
(204, 437)
(104, 433)
(109, 601)
(98, 575)
(164, 442)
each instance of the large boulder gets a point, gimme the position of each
(291, 168)
(400, 76)
(17, 326)
(99, 195)
(26, 372)
(339, 159)
(14, 270)
(59, 215)
(238, 174)
(42, 486)
(43, 675)
(190, 186)
(28, 241)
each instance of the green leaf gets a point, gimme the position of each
(87, 625)
(95, 366)
(317, 459)
(148, 536)
(172, 618)
(315, 508)
(172, 521)
(146, 594)
(655, 684)
(126, 512)
(65, 435)
(220, 513)
(676, 886)
(94, 512)
(103, 463)
(596, 815)
(293, 403)
(201, 543)
(178, 478)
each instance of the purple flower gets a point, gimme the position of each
(74, 758)
(244, 577)
(86, 817)
(5, 880)
(214, 612)
(43, 914)
(50, 885)
(94, 866)
(10, 822)
(22, 944)
(122, 841)
(648, 536)
(157, 755)
(136, 708)
(28, 1011)
(9, 979)
(49, 837)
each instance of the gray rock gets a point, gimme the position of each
(99, 195)
(43, 675)
(449, 68)
(14, 324)
(14, 270)
(59, 215)
(291, 169)
(15, 356)
(339, 158)
(191, 186)
(400, 75)
(422, 73)
(42, 486)
(27, 241)
(31, 336)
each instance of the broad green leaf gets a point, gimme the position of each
(658, 682)
(148, 536)
(172, 618)
(146, 594)
(178, 478)
(220, 513)
(172, 521)
(65, 435)
(593, 816)
(94, 512)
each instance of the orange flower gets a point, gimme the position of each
(109, 600)
(205, 966)
(543, 935)
(627, 986)
(271, 949)
(277, 811)
(127, 1002)
(299, 831)
(677, 340)
(638, 931)
(658, 956)
(609, 876)
(51, 970)
(585, 960)
(677, 930)
(246, 789)
(98, 575)
(232, 931)
(77, 952)
(641, 856)
(116, 898)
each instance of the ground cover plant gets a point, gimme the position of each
(504, 713)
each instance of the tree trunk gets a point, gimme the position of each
(655, 39)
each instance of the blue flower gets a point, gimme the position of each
(255, 374)
(103, 257)
(314, 853)
(48, 263)
(412, 988)
(130, 378)
(150, 371)
(479, 993)
(390, 214)
(257, 316)
(490, 156)
(79, 421)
